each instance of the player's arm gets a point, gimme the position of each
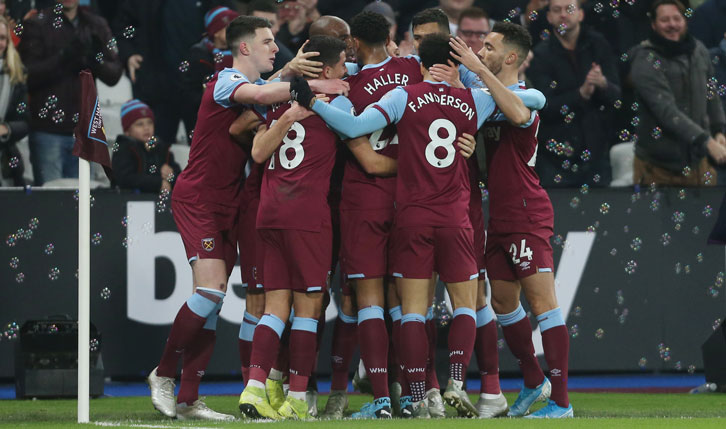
(241, 129)
(372, 162)
(388, 110)
(279, 92)
(516, 107)
(268, 140)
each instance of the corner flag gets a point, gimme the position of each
(90, 135)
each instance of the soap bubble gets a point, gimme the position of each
(96, 239)
(129, 32)
(105, 294)
(18, 30)
(49, 248)
(604, 208)
(630, 267)
(54, 273)
(184, 66)
(642, 363)
(599, 333)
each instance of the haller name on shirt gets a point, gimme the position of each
(444, 100)
(396, 79)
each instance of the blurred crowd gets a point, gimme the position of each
(636, 88)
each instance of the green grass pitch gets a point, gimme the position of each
(592, 410)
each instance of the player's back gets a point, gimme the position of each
(373, 81)
(216, 161)
(433, 178)
(516, 198)
(296, 178)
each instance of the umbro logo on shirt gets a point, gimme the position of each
(235, 77)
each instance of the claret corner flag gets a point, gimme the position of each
(90, 135)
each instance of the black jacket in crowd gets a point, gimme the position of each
(138, 169)
(158, 78)
(16, 120)
(559, 76)
(55, 56)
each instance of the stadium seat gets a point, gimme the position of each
(181, 154)
(69, 184)
(621, 161)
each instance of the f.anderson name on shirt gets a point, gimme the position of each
(444, 100)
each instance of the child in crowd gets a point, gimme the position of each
(140, 160)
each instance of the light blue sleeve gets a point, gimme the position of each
(367, 122)
(352, 68)
(532, 99)
(227, 82)
(485, 105)
(469, 78)
(343, 103)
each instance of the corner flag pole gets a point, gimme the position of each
(84, 286)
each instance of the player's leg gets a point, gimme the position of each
(434, 400)
(308, 256)
(539, 289)
(456, 264)
(412, 264)
(394, 311)
(462, 334)
(303, 335)
(373, 339)
(201, 228)
(344, 342)
(492, 402)
(253, 402)
(413, 342)
(254, 308)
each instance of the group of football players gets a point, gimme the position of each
(368, 164)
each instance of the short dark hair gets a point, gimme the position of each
(241, 27)
(430, 15)
(370, 27)
(658, 3)
(515, 35)
(329, 48)
(473, 13)
(435, 49)
(269, 6)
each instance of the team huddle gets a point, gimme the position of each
(368, 165)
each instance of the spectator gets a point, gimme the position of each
(473, 27)
(576, 71)
(295, 18)
(13, 113)
(387, 11)
(268, 9)
(54, 49)
(453, 9)
(679, 124)
(142, 162)
(207, 57)
(162, 32)
(708, 22)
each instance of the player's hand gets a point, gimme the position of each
(464, 54)
(719, 137)
(392, 49)
(330, 86)
(134, 64)
(301, 65)
(297, 113)
(467, 144)
(301, 92)
(165, 186)
(322, 97)
(448, 73)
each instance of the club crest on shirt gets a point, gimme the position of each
(208, 244)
